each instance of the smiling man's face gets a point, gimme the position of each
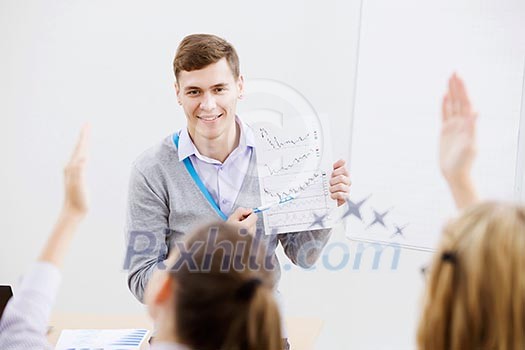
(209, 99)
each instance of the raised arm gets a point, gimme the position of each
(24, 322)
(75, 205)
(457, 149)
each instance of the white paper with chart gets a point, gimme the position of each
(109, 339)
(294, 164)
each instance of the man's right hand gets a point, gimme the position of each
(244, 218)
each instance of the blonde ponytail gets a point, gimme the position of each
(476, 300)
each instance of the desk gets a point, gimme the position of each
(302, 331)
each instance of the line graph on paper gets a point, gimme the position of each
(282, 187)
(287, 154)
(293, 163)
(311, 198)
(275, 143)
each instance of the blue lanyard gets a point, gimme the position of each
(198, 181)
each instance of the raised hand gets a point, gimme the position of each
(75, 204)
(457, 149)
(75, 201)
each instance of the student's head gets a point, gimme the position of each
(219, 298)
(208, 84)
(475, 297)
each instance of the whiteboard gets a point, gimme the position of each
(402, 72)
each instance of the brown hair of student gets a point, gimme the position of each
(475, 295)
(197, 51)
(225, 300)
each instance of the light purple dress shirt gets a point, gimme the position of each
(24, 322)
(223, 180)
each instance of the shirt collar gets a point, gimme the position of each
(247, 131)
(186, 147)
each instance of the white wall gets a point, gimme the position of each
(64, 62)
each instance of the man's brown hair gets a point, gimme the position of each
(197, 51)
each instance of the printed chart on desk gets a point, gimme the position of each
(294, 162)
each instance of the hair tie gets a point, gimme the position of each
(449, 257)
(245, 292)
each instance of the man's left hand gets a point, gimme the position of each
(340, 182)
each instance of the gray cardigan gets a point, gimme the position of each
(164, 204)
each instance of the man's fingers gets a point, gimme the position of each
(250, 220)
(240, 213)
(246, 213)
(340, 179)
(339, 163)
(338, 196)
(244, 218)
(340, 171)
(339, 188)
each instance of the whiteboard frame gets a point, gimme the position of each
(519, 178)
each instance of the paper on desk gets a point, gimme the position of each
(95, 339)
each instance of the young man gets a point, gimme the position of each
(207, 171)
